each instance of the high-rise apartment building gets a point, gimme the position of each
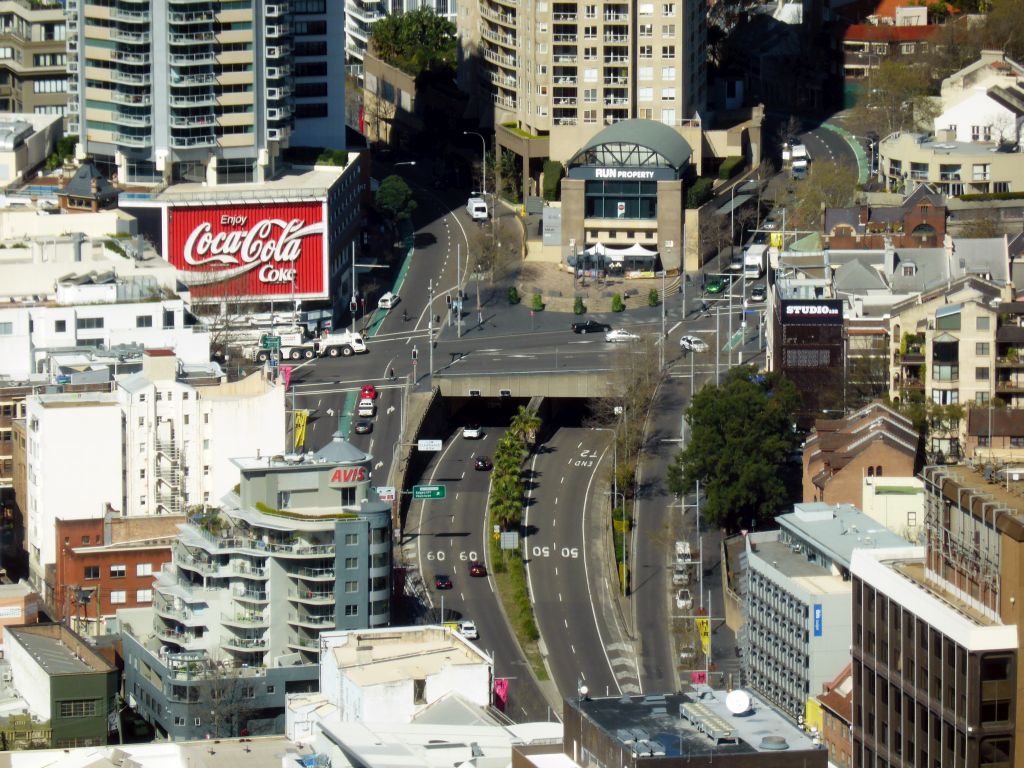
(937, 632)
(33, 61)
(302, 546)
(564, 70)
(203, 90)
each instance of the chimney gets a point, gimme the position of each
(890, 256)
(93, 185)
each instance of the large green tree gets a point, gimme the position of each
(416, 41)
(394, 198)
(898, 97)
(828, 185)
(741, 436)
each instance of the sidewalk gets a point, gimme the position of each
(559, 290)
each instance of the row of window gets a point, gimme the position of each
(118, 571)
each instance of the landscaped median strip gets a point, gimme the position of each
(858, 151)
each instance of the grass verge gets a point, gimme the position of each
(510, 581)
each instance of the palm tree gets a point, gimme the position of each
(525, 424)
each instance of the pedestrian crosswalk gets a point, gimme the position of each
(623, 660)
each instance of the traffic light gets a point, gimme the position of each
(448, 300)
(353, 305)
(415, 353)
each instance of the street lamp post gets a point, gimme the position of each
(483, 158)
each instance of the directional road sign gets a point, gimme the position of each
(429, 491)
(428, 445)
(268, 341)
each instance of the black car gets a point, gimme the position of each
(441, 581)
(590, 326)
(483, 463)
(363, 427)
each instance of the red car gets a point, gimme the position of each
(368, 391)
(476, 568)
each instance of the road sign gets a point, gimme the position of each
(267, 341)
(386, 492)
(429, 445)
(429, 491)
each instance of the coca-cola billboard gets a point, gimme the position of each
(254, 251)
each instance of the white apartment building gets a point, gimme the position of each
(168, 91)
(73, 470)
(97, 311)
(160, 442)
(981, 102)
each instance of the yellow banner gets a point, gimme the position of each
(301, 417)
(703, 629)
(775, 240)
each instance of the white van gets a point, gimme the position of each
(476, 207)
(366, 408)
(388, 300)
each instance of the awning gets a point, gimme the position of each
(949, 309)
(617, 254)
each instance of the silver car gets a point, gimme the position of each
(693, 344)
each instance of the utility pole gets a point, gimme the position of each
(457, 304)
(430, 333)
(664, 335)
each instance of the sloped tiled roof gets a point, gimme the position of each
(838, 441)
(871, 33)
(838, 694)
(1005, 422)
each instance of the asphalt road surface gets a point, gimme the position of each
(449, 535)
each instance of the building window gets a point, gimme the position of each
(144, 596)
(179, 720)
(982, 322)
(6, 329)
(1016, 442)
(981, 348)
(351, 539)
(118, 571)
(88, 323)
(645, 73)
(197, 721)
(60, 326)
(78, 708)
(669, 9)
(270, 689)
(118, 597)
(668, 74)
(92, 572)
(981, 398)
(645, 52)
(351, 610)
(351, 587)
(351, 562)
(981, 374)
(168, 318)
(645, 30)
(249, 692)
(668, 51)
(144, 321)
(143, 569)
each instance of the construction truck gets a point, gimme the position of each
(341, 344)
(289, 345)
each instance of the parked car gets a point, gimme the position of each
(368, 392)
(476, 568)
(684, 600)
(363, 427)
(758, 292)
(442, 581)
(483, 464)
(680, 576)
(590, 326)
(736, 262)
(693, 344)
(468, 630)
(472, 432)
(620, 334)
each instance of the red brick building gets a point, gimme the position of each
(836, 716)
(918, 222)
(108, 563)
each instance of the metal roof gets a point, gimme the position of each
(648, 134)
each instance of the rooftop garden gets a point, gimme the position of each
(415, 42)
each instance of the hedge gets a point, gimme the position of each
(553, 171)
(699, 193)
(730, 167)
(994, 196)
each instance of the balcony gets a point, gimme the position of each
(135, 38)
(249, 595)
(130, 140)
(278, 51)
(312, 620)
(615, 59)
(138, 121)
(188, 562)
(132, 17)
(130, 57)
(279, 92)
(177, 636)
(131, 78)
(192, 59)
(194, 17)
(198, 37)
(191, 121)
(615, 38)
(565, 16)
(131, 99)
(278, 71)
(565, 37)
(248, 571)
(171, 610)
(247, 644)
(187, 81)
(202, 100)
(279, 30)
(315, 574)
(244, 619)
(276, 10)
(565, 101)
(1012, 385)
(308, 643)
(616, 17)
(311, 596)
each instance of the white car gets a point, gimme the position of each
(388, 300)
(472, 431)
(620, 334)
(468, 630)
(684, 600)
(693, 344)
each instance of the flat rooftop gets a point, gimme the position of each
(837, 529)
(58, 650)
(384, 657)
(658, 722)
(305, 183)
(811, 576)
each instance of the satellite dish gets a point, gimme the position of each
(737, 702)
